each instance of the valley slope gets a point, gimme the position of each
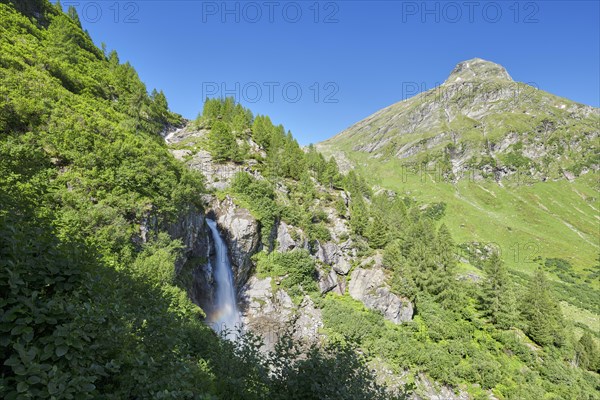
(516, 167)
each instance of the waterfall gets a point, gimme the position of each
(225, 314)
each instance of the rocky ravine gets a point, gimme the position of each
(265, 308)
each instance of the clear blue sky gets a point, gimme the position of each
(364, 55)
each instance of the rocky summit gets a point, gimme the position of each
(477, 69)
(479, 123)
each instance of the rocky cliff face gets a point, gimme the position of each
(369, 286)
(270, 312)
(267, 309)
(242, 235)
(189, 227)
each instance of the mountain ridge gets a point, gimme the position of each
(479, 113)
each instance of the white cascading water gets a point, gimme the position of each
(225, 314)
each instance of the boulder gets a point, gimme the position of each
(327, 281)
(331, 254)
(369, 287)
(285, 241)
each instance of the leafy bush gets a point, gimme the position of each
(297, 269)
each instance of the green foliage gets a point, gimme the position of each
(295, 268)
(498, 297)
(87, 309)
(359, 215)
(588, 353)
(543, 317)
(436, 211)
(222, 143)
(424, 261)
(260, 198)
(228, 111)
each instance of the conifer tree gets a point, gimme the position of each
(498, 297)
(377, 231)
(221, 142)
(72, 13)
(211, 110)
(442, 281)
(589, 356)
(542, 315)
(262, 129)
(359, 215)
(331, 174)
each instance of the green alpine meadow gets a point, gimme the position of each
(445, 247)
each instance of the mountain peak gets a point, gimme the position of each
(477, 69)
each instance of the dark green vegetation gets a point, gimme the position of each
(87, 308)
(467, 333)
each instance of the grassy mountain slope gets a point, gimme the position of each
(515, 165)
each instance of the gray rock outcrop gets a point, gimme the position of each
(241, 232)
(369, 287)
(285, 238)
(270, 312)
(331, 281)
(332, 254)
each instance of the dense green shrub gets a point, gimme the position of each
(295, 270)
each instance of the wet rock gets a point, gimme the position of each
(241, 232)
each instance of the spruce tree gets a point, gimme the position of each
(377, 232)
(262, 129)
(359, 215)
(221, 142)
(442, 282)
(542, 315)
(72, 13)
(331, 174)
(498, 297)
(211, 110)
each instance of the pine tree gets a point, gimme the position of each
(227, 109)
(275, 153)
(498, 297)
(262, 129)
(340, 207)
(331, 174)
(403, 275)
(542, 315)
(442, 282)
(377, 232)
(211, 110)
(239, 124)
(72, 13)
